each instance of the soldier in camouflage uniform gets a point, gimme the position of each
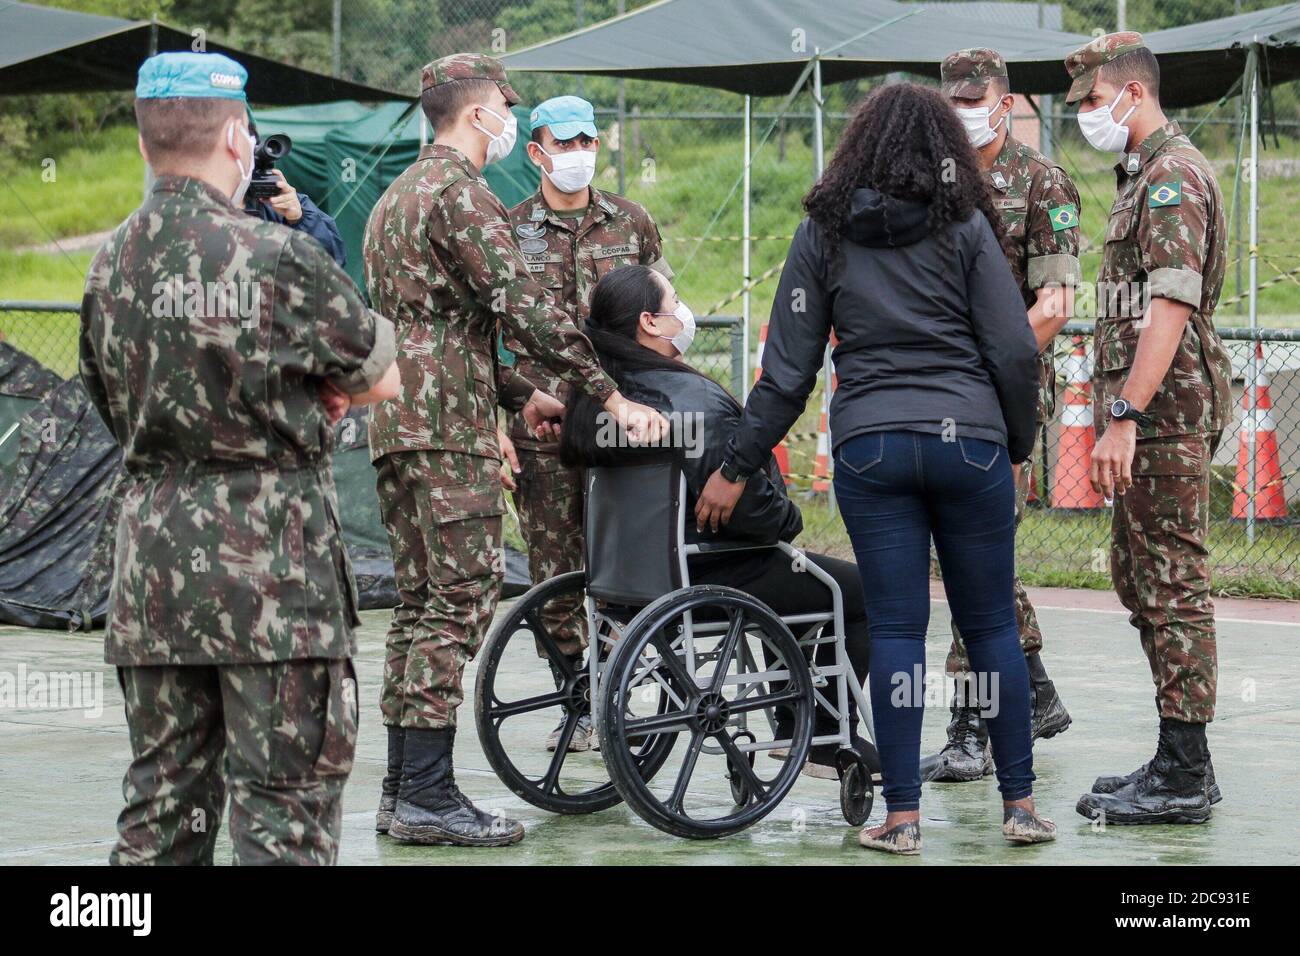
(441, 263)
(218, 349)
(1040, 209)
(570, 234)
(1161, 391)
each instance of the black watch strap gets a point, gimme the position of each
(730, 473)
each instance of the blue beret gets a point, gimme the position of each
(197, 75)
(567, 116)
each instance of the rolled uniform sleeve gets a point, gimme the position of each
(474, 227)
(1172, 237)
(1052, 234)
(513, 389)
(323, 326)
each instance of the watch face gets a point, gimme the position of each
(1118, 408)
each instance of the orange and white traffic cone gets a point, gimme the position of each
(1258, 429)
(821, 465)
(782, 449)
(1070, 485)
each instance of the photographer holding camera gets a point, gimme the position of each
(272, 198)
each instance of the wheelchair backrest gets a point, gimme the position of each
(633, 531)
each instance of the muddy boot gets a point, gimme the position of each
(392, 779)
(1112, 784)
(430, 807)
(1170, 789)
(966, 755)
(1049, 716)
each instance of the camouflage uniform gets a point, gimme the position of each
(233, 604)
(1164, 239)
(440, 261)
(1040, 210)
(568, 255)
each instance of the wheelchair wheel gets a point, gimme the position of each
(857, 793)
(734, 665)
(549, 697)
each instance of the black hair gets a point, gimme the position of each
(617, 302)
(904, 141)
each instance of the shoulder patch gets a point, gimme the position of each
(1063, 217)
(1165, 194)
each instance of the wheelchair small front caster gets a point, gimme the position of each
(857, 795)
(740, 792)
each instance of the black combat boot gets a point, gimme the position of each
(966, 755)
(392, 779)
(1169, 789)
(1112, 784)
(1049, 716)
(430, 807)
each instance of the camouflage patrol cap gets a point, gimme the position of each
(467, 66)
(1083, 63)
(966, 73)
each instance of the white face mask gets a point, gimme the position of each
(682, 340)
(1102, 130)
(571, 172)
(976, 121)
(500, 144)
(246, 175)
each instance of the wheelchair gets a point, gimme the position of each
(670, 667)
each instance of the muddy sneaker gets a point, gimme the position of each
(1021, 826)
(903, 839)
(584, 735)
(821, 760)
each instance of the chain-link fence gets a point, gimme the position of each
(1064, 538)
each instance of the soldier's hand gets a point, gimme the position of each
(1111, 473)
(286, 201)
(509, 461)
(644, 425)
(335, 400)
(543, 414)
(717, 501)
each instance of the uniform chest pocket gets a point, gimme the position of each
(546, 269)
(1123, 216)
(1013, 212)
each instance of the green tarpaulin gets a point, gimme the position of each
(345, 155)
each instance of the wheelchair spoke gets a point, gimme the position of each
(740, 761)
(674, 664)
(659, 723)
(691, 757)
(562, 663)
(552, 779)
(735, 628)
(502, 710)
(747, 704)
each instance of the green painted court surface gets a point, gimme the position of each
(60, 770)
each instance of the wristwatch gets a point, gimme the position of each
(1123, 410)
(730, 473)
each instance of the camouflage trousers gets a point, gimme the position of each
(279, 737)
(549, 500)
(1159, 564)
(1031, 636)
(443, 515)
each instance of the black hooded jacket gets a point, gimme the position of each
(703, 416)
(932, 334)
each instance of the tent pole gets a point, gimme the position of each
(745, 265)
(819, 166)
(1249, 419)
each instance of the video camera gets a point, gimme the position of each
(265, 155)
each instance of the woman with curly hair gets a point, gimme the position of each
(900, 256)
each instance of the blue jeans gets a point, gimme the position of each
(896, 490)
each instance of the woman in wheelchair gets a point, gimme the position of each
(640, 331)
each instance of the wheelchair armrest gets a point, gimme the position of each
(716, 547)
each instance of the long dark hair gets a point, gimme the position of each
(905, 141)
(617, 302)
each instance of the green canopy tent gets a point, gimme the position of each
(345, 154)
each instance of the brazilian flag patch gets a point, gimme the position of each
(1164, 194)
(1063, 217)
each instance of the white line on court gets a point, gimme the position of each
(1102, 610)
